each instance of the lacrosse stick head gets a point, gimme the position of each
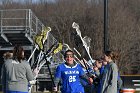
(66, 46)
(76, 26)
(87, 41)
(48, 29)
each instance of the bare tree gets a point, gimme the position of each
(124, 30)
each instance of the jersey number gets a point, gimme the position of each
(72, 78)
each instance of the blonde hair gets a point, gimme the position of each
(8, 55)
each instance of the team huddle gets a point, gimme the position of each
(73, 77)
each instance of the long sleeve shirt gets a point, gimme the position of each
(15, 75)
(109, 79)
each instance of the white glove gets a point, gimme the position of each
(32, 82)
(54, 88)
(36, 71)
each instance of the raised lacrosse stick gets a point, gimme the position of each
(39, 44)
(54, 49)
(84, 40)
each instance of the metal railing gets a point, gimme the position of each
(20, 19)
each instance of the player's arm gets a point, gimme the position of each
(56, 81)
(83, 75)
(88, 79)
(57, 78)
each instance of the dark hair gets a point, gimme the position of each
(113, 55)
(99, 60)
(67, 52)
(17, 53)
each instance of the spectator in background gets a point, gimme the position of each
(110, 74)
(16, 72)
(98, 68)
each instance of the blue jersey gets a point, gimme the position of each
(70, 77)
(100, 83)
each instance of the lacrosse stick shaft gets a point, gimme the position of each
(79, 61)
(77, 52)
(85, 65)
(38, 68)
(32, 54)
(49, 70)
(87, 50)
(80, 55)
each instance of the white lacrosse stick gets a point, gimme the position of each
(76, 26)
